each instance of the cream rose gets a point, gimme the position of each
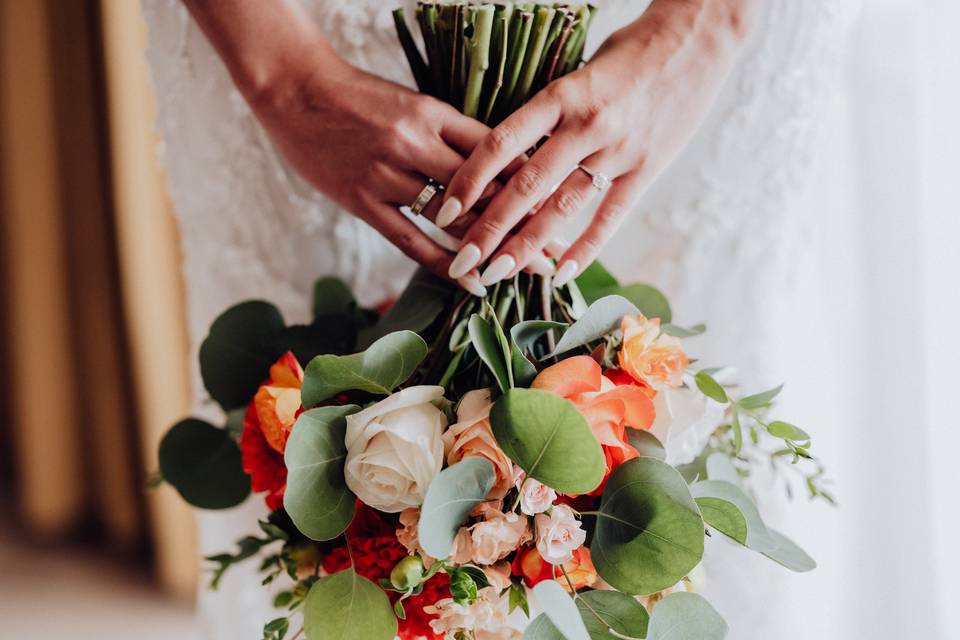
(395, 448)
(685, 420)
(559, 534)
(472, 436)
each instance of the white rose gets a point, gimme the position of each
(395, 448)
(685, 421)
(559, 534)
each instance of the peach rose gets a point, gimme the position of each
(496, 537)
(277, 402)
(472, 436)
(529, 565)
(407, 533)
(651, 356)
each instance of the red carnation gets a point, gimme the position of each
(262, 462)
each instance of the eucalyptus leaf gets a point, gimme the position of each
(549, 439)
(719, 467)
(684, 332)
(346, 605)
(760, 400)
(451, 496)
(686, 616)
(600, 318)
(725, 517)
(786, 552)
(484, 338)
(756, 536)
(601, 611)
(235, 357)
(594, 280)
(711, 388)
(649, 533)
(560, 609)
(331, 296)
(385, 364)
(317, 498)
(203, 464)
(646, 444)
(523, 336)
(417, 308)
(787, 431)
(649, 300)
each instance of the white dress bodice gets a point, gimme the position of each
(717, 231)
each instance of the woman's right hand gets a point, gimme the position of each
(371, 145)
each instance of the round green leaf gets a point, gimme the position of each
(786, 552)
(600, 318)
(756, 535)
(317, 497)
(384, 365)
(346, 605)
(646, 444)
(560, 609)
(332, 296)
(600, 611)
(649, 532)
(549, 439)
(686, 616)
(725, 517)
(236, 355)
(451, 496)
(203, 463)
(649, 300)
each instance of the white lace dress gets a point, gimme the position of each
(718, 232)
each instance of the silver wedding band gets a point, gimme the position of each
(429, 191)
(600, 181)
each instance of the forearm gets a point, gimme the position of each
(261, 42)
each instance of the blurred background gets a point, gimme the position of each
(95, 353)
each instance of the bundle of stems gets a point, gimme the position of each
(489, 59)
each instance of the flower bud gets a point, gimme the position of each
(408, 573)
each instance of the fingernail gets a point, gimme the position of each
(471, 284)
(541, 265)
(498, 270)
(565, 273)
(449, 212)
(557, 247)
(466, 259)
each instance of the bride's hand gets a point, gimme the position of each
(624, 115)
(365, 142)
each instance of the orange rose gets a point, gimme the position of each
(472, 436)
(651, 356)
(278, 401)
(529, 565)
(608, 407)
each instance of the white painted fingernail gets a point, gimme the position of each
(449, 212)
(541, 265)
(557, 247)
(498, 270)
(471, 284)
(466, 259)
(565, 273)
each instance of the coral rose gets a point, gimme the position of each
(529, 565)
(472, 436)
(608, 407)
(278, 401)
(651, 356)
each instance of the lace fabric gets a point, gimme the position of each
(718, 231)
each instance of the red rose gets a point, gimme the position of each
(262, 462)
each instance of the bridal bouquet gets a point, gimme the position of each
(544, 463)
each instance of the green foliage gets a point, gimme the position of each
(684, 332)
(236, 355)
(487, 340)
(786, 552)
(560, 609)
(523, 337)
(518, 598)
(685, 616)
(465, 582)
(331, 296)
(203, 464)
(317, 498)
(646, 444)
(596, 282)
(452, 494)
(602, 317)
(649, 532)
(276, 629)
(417, 308)
(602, 611)
(760, 400)
(787, 431)
(711, 388)
(549, 439)
(346, 605)
(385, 364)
(247, 547)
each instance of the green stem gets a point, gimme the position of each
(500, 43)
(532, 59)
(479, 58)
(520, 38)
(421, 74)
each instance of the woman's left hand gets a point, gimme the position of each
(624, 115)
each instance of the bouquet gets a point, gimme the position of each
(543, 463)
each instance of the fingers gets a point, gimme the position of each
(497, 151)
(548, 167)
(526, 247)
(616, 205)
(416, 245)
